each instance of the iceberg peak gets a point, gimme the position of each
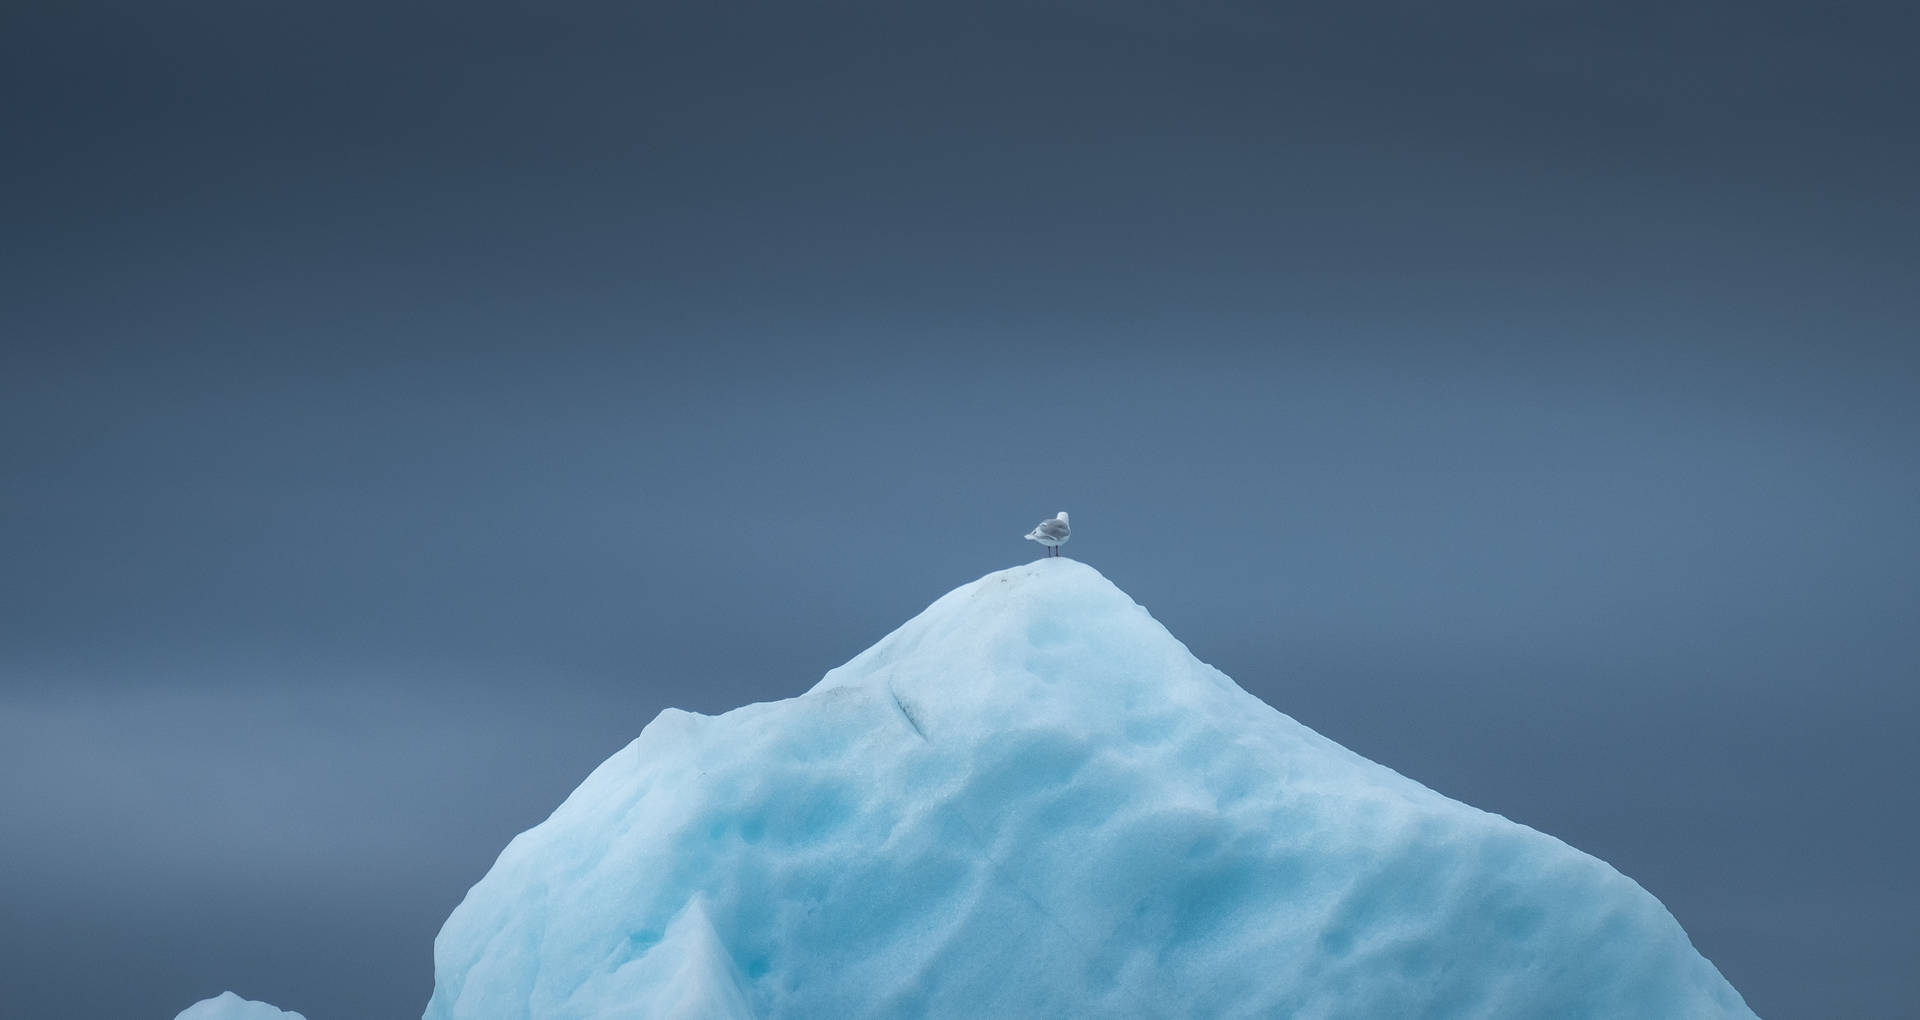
(1032, 800)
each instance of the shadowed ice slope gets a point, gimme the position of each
(1031, 800)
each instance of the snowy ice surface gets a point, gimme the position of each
(228, 1006)
(1032, 801)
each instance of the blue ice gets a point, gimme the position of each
(1032, 801)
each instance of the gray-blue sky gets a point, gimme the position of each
(401, 406)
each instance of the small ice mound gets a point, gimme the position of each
(228, 1006)
(1032, 800)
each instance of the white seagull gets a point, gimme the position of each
(1052, 533)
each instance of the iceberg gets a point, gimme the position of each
(1031, 800)
(228, 1006)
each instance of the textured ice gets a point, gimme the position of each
(228, 1006)
(1032, 801)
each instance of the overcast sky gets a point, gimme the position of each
(401, 404)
